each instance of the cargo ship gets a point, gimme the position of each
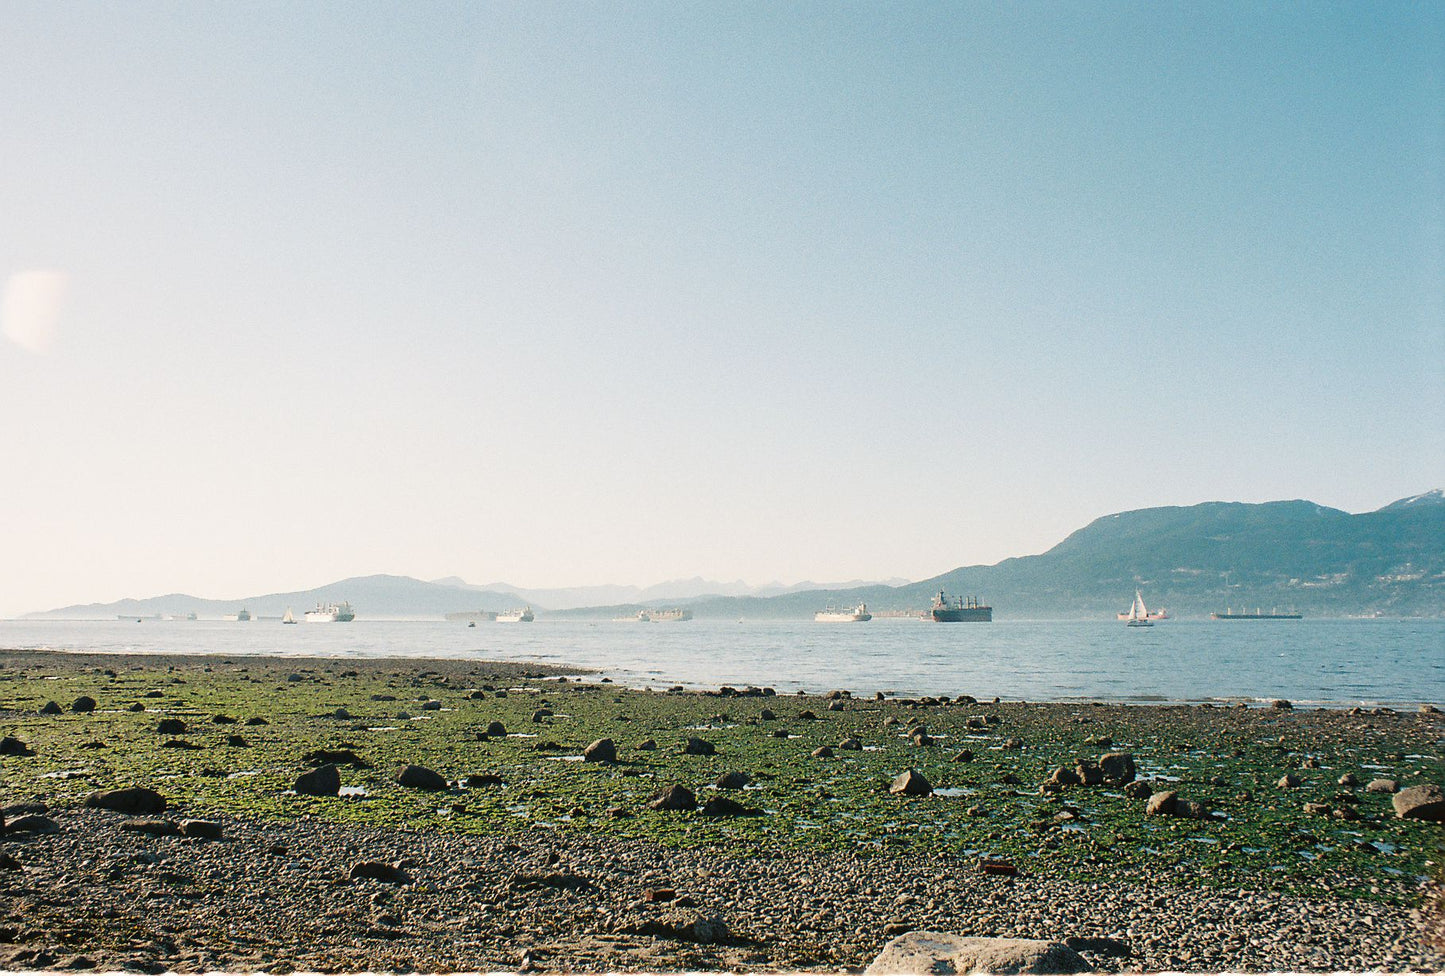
(858, 614)
(664, 616)
(523, 616)
(960, 610)
(1257, 614)
(331, 613)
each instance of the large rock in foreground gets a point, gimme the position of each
(1421, 803)
(929, 953)
(420, 778)
(135, 800)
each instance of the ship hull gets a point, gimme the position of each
(842, 618)
(1256, 616)
(963, 615)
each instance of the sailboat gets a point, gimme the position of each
(290, 617)
(1138, 613)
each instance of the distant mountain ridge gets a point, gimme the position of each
(1190, 559)
(670, 591)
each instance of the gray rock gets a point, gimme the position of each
(1288, 781)
(1348, 780)
(420, 778)
(647, 745)
(171, 726)
(673, 798)
(1139, 790)
(722, 806)
(1161, 804)
(600, 750)
(1421, 803)
(823, 752)
(322, 781)
(1089, 772)
(1118, 767)
(851, 744)
(201, 829)
(924, 953)
(379, 871)
(1382, 786)
(83, 704)
(32, 823)
(699, 747)
(733, 781)
(911, 782)
(496, 729)
(133, 800)
(11, 746)
(963, 756)
(1063, 776)
(50, 708)
(1282, 704)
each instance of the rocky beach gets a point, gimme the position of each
(194, 813)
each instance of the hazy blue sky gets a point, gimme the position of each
(568, 293)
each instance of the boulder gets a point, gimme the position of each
(600, 750)
(1348, 780)
(767, 715)
(201, 829)
(1161, 804)
(699, 747)
(851, 744)
(379, 871)
(921, 738)
(647, 745)
(1118, 767)
(420, 778)
(722, 806)
(496, 729)
(32, 823)
(132, 800)
(1318, 809)
(926, 953)
(1288, 781)
(11, 746)
(51, 708)
(682, 926)
(322, 781)
(823, 752)
(238, 741)
(1421, 803)
(171, 726)
(1282, 704)
(1089, 772)
(963, 756)
(1382, 786)
(1063, 776)
(733, 781)
(1139, 790)
(673, 798)
(83, 704)
(910, 782)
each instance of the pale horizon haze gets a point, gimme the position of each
(582, 293)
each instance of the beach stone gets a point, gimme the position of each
(647, 745)
(1421, 803)
(722, 806)
(1317, 809)
(134, 800)
(238, 741)
(1383, 786)
(431, 705)
(379, 871)
(257, 720)
(1139, 790)
(1063, 776)
(497, 729)
(8, 863)
(33, 823)
(83, 704)
(767, 715)
(921, 738)
(733, 781)
(420, 778)
(1013, 743)
(322, 781)
(1161, 804)
(1089, 772)
(223, 720)
(50, 708)
(1190, 809)
(963, 756)
(171, 726)
(1348, 780)
(851, 744)
(1288, 781)
(924, 953)
(155, 828)
(673, 798)
(836, 706)
(823, 752)
(201, 829)
(11, 746)
(479, 780)
(1282, 704)
(600, 750)
(910, 782)
(699, 747)
(682, 926)
(1118, 767)
(808, 715)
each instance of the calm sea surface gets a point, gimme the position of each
(1325, 662)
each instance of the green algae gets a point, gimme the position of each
(436, 714)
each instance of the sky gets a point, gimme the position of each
(579, 293)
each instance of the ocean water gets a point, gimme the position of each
(1334, 663)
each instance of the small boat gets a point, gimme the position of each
(523, 616)
(1138, 613)
(960, 611)
(331, 613)
(241, 615)
(1159, 614)
(858, 614)
(288, 617)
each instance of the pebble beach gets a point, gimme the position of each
(196, 813)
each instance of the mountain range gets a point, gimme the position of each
(1191, 560)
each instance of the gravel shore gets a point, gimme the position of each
(562, 865)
